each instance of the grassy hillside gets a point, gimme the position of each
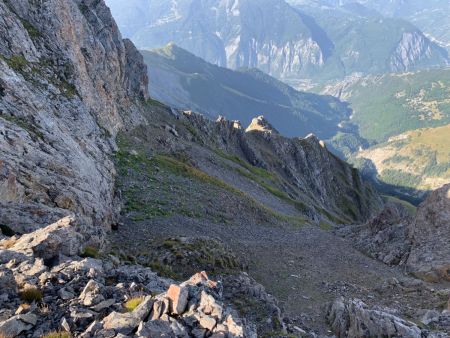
(419, 159)
(391, 104)
(188, 82)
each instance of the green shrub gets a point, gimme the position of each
(133, 303)
(32, 31)
(31, 294)
(17, 62)
(90, 252)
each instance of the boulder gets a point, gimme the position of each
(155, 329)
(178, 297)
(91, 294)
(142, 311)
(124, 323)
(49, 242)
(354, 319)
(18, 324)
(209, 306)
(160, 307)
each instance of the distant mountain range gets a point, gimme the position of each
(430, 16)
(185, 81)
(288, 42)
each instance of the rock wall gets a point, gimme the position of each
(68, 83)
(430, 254)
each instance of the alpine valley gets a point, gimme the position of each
(386, 60)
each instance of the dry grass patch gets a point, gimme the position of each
(31, 294)
(57, 334)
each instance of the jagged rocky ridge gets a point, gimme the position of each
(326, 186)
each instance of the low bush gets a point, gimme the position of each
(31, 294)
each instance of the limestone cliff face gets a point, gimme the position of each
(68, 83)
(412, 49)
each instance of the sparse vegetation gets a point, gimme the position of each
(408, 206)
(31, 294)
(133, 303)
(57, 334)
(262, 177)
(163, 270)
(90, 251)
(32, 31)
(17, 62)
(257, 171)
(26, 124)
(153, 102)
(68, 89)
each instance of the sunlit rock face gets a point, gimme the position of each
(68, 83)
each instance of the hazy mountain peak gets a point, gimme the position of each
(319, 40)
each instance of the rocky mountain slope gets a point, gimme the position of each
(143, 194)
(185, 81)
(286, 42)
(281, 41)
(68, 83)
(367, 42)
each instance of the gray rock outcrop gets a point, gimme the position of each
(429, 258)
(88, 297)
(383, 237)
(354, 319)
(68, 83)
